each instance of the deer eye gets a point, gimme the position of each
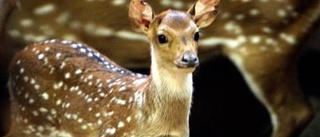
(162, 39)
(196, 36)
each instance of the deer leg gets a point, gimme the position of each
(277, 88)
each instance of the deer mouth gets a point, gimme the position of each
(187, 66)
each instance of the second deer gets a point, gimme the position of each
(62, 88)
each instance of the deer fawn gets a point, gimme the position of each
(63, 88)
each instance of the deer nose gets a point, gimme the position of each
(190, 59)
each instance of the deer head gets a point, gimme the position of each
(173, 34)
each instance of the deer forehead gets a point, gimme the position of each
(176, 22)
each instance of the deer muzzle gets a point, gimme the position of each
(188, 60)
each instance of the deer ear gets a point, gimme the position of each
(203, 12)
(141, 15)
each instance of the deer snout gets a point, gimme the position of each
(188, 60)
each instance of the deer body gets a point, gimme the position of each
(93, 104)
(65, 89)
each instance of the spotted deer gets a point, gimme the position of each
(262, 38)
(64, 88)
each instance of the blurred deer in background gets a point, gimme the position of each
(63, 88)
(261, 37)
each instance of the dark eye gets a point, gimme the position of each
(162, 39)
(196, 36)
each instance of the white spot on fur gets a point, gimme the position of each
(177, 4)
(233, 27)
(267, 30)
(90, 76)
(103, 31)
(170, 3)
(107, 114)
(58, 102)
(14, 33)
(255, 39)
(25, 78)
(240, 16)
(26, 22)
(40, 56)
(45, 96)
(120, 101)
(36, 86)
(80, 120)
(35, 113)
(231, 43)
(32, 81)
(254, 12)
(99, 122)
(139, 81)
(21, 70)
(110, 131)
(118, 2)
(44, 110)
(58, 55)
(44, 9)
(131, 35)
(59, 133)
(33, 37)
(288, 38)
(282, 13)
(31, 101)
(97, 114)
(57, 85)
(67, 75)
(120, 124)
(84, 127)
(89, 100)
(128, 119)
(122, 88)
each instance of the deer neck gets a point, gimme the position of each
(171, 92)
(169, 83)
(173, 85)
